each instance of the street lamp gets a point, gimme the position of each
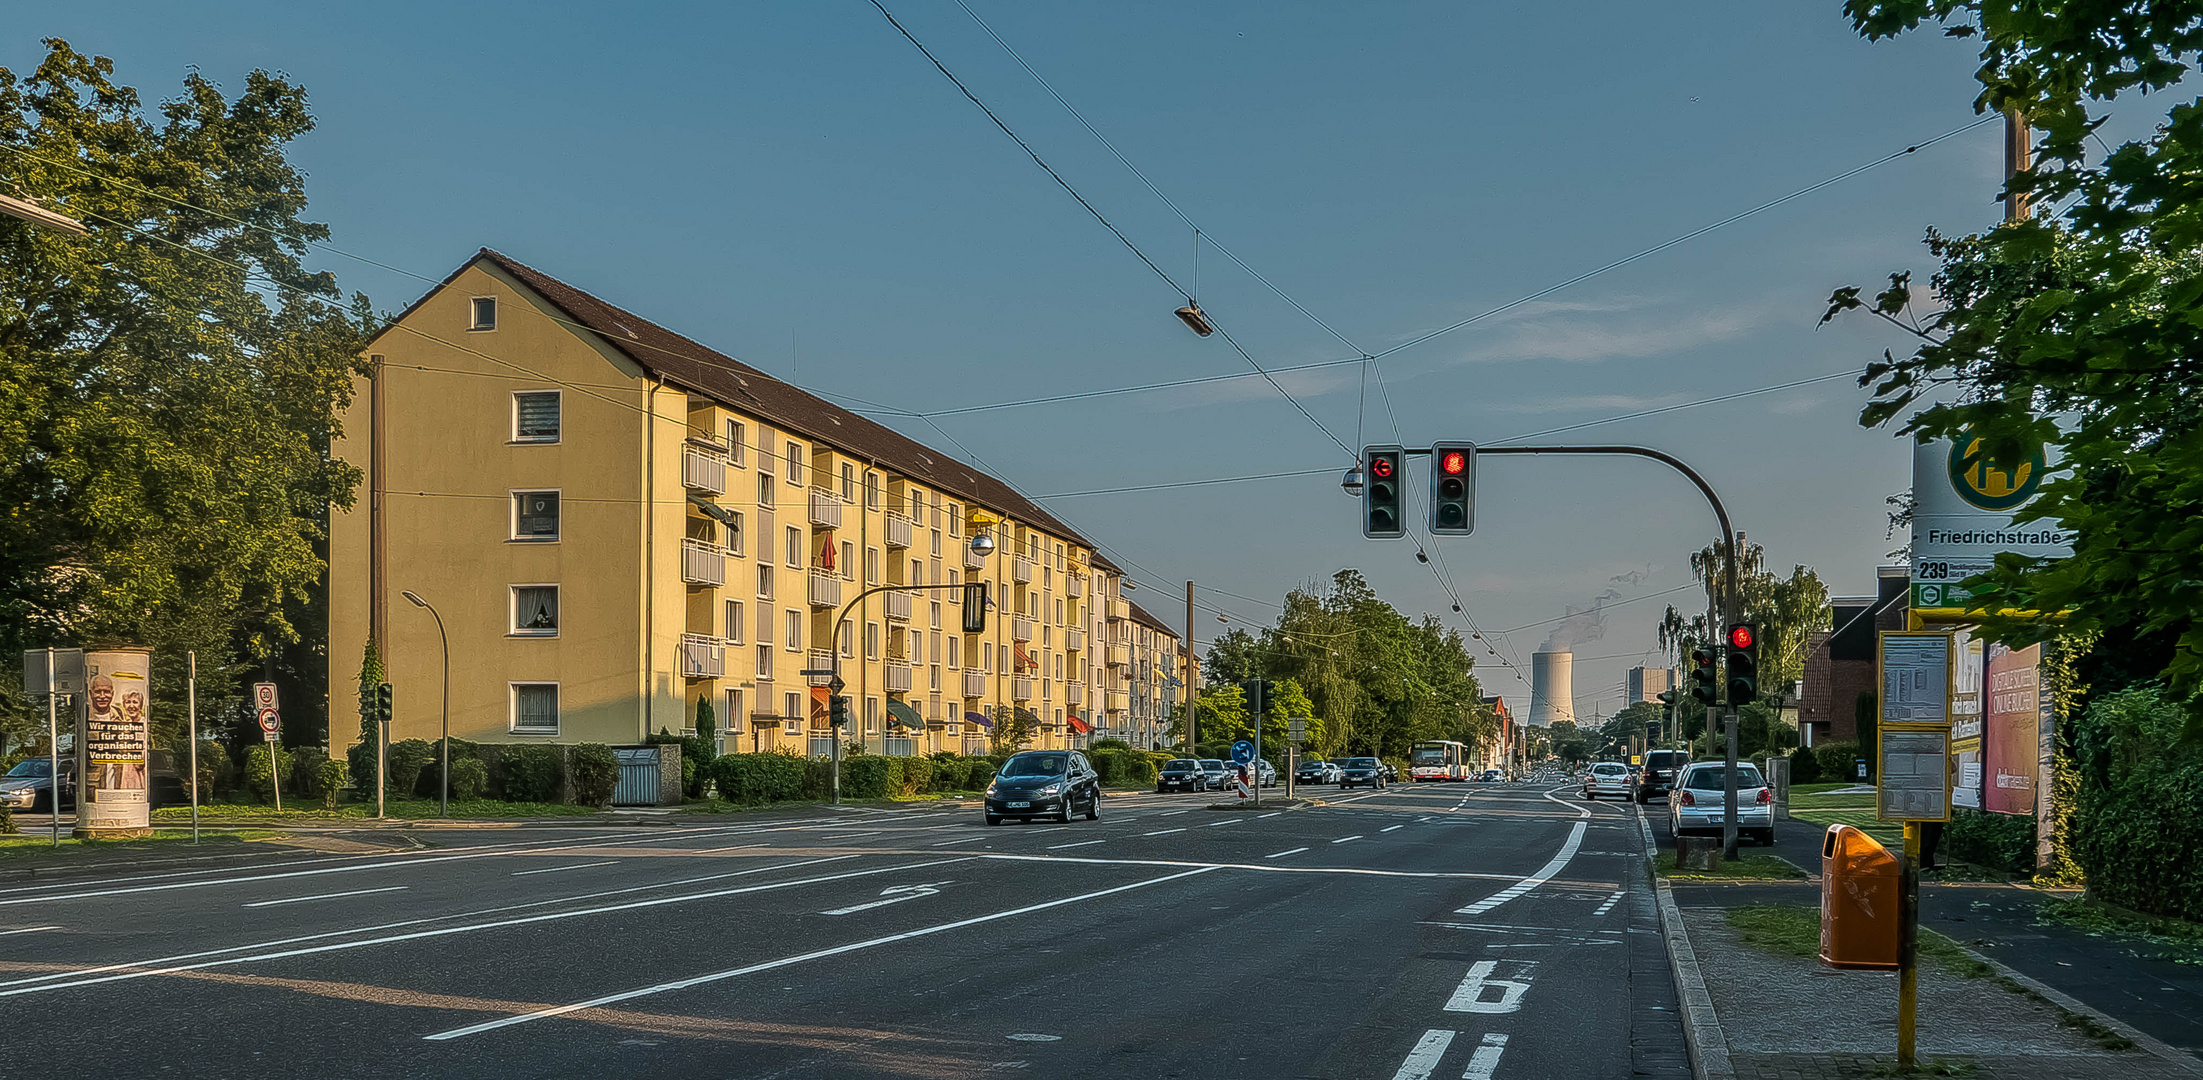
(40, 216)
(445, 799)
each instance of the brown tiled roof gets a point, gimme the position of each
(1140, 613)
(705, 370)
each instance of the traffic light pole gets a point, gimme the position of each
(835, 672)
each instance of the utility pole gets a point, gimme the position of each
(1190, 625)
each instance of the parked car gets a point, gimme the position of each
(1607, 778)
(1361, 771)
(1318, 772)
(1489, 776)
(29, 786)
(1267, 771)
(1696, 806)
(1044, 782)
(1658, 778)
(1391, 774)
(1219, 774)
(1181, 774)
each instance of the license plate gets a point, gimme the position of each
(1013, 804)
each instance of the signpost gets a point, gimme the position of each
(1962, 510)
(1296, 731)
(1917, 673)
(53, 672)
(271, 723)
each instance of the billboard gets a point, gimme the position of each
(1966, 718)
(117, 725)
(1962, 510)
(2013, 731)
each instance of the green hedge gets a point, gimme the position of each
(1839, 761)
(468, 777)
(758, 778)
(530, 773)
(2000, 841)
(594, 771)
(1805, 766)
(2138, 814)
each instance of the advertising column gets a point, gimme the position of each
(111, 757)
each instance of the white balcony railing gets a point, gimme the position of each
(1074, 640)
(825, 588)
(703, 563)
(898, 606)
(1021, 628)
(825, 509)
(898, 530)
(1117, 700)
(1074, 692)
(972, 559)
(1116, 610)
(703, 656)
(1021, 688)
(1021, 570)
(975, 683)
(1074, 584)
(898, 676)
(703, 470)
(821, 660)
(1116, 654)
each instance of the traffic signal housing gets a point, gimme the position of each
(1257, 692)
(837, 710)
(1742, 646)
(975, 607)
(1383, 510)
(1452, 488)
(1704, 688)
(382, 703)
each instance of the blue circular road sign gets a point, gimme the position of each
(1242, 751)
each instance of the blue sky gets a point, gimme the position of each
(775, 177)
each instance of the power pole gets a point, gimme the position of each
(1190, 661)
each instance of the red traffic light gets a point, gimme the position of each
(1380, 467)
(1454, 463)
(1741, 637)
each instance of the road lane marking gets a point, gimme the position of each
(789, 961)
(1282, 854)
(556, 869)
(1567, 852)
(1162, 832)
(958, 840)
(1272, 813)
(27, 930)
(1484, 1060)
(1263, 867)
(893, 894)
(1082, 843)
(1226, 821)
(326, 896)
(1469, 996)
(139, 971)
(1423, 1060)
(1609, 905)
(1168, 813)
(1389, 828)
(1344, 839)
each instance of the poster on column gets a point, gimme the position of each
(117, 729)
(1966, 718)
(2013, 730)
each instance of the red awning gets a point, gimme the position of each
(1080, 726)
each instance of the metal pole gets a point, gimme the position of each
(1908, 943)
(446, 643)
(1256, 770)
(275, 779)
(382, 761)
(1190, 625)
(191, 699)
(53, 748)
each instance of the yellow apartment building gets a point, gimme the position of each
(610, 522)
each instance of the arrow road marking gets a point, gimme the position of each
(895, 894)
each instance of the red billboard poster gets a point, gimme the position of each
(2012, 729)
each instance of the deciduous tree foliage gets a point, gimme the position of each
(2083, 331)
(169, 384)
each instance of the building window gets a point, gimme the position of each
(764, 624)
(791, 712)
(535, 610)
(871, 566)
(735, 722)
(936, 614)
(848, 482)
(917, 573)
(936, 543)
(764, 664)
(794, 620)
(535, 416)
(764, 580)
(956, 520)
(847, 634)
(795, 464)
(794, 538)
(535, 515)
(734, 532)
(764, 488)
(735, 449)
(484, 311)
(986, 655)
(872, 641)
(734, 622)
(872, 490)
(871, 715)
(535, 708)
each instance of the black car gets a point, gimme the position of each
(1361, 771)
(1036, 783)
(1182, 774)
(1220, 775)
(1660, 770)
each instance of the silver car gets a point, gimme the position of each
(1607, 778)
(1695, 806)
(29, 786)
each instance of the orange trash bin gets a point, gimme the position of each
(1860, 886)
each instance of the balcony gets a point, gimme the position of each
(1117, 700)
(1021, 628)
(821, 660)
(898, 606)
(898, 677)
(1116, 654)
(1021, 570)
(899, 529)
(703, 470)
(1074, 640)
(975, 683)
(825, 509)
(703, 563)
(703, 656)
(1021, 688)
(972, 559)
(825, 588)
(1116, 609)
(1074, 584)
(1074, 692)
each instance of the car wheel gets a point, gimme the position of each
(994, 819)
(1064, 815)
(1093, 807)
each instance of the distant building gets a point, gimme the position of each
(1648, 683)
(1502, 748)
(1839, 662)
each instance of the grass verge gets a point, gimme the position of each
(396, 808)
(1745, 868)
(1889, 833)
(29, 844)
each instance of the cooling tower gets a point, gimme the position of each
(1552, 688)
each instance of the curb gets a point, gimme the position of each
(2184, 1061)
(1709, 1047)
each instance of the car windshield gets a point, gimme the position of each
(1182, 765)
(1666, 759)
(1035, 765)
(1361, 763)
(1608, 770)
(31, 767)
(1211, 763)
(1715, 779)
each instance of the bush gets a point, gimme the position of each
(469, 776)
(1805, 765)
(2138, 818)
(916, 776)
(696, 759)
(329, 776)
(761, 778)
(302, 775)
(532, 773)
(594, 770)
(359, 763)
(7, 822)
(866, 776)
(1999, 841)
(409, 758)
(259, 780)
(1837, 761)
(1108, 744)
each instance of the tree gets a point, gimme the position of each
(2076, 332)
(170, 383)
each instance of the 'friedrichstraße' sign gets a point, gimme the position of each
(1962, 507)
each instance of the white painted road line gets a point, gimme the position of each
(27, 930)
(717, 976)
(1469, 996)
(556, 869)
(1082, 843)
(893, 894)
(1485, 1059)
(1272, 813)
(1168, 813)
(1282, 854)
(1344, 839)
(326, 896)
(1609, 905)
(958, 840)
(1389, 828)
(1423, 1060)
(1567, 852)
(1162, 832)
(1226, 821)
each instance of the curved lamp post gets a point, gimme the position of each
(445, 783)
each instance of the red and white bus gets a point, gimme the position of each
(1439, 761)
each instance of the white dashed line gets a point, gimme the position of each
(1567, 852)
(1272, 813)
(1485, 1059)
(27, 930)
(958, 840)
(556, 869)
(1082, 843)
(1282, 854)
(1168, 813)
(326, 896)
(1389, 828)
(1162, 832)
(1423, 1060)
(1344, 839)
(1609, 905)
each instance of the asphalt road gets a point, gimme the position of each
(1424, 931)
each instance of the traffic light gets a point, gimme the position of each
(382, 703)
(837, 710)
(1258, 697)
(975, 607)
(1703, 687)
(1743, 657)
(1453, 488)
(1383, 513)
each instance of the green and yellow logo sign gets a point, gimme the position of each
(1990, 484)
